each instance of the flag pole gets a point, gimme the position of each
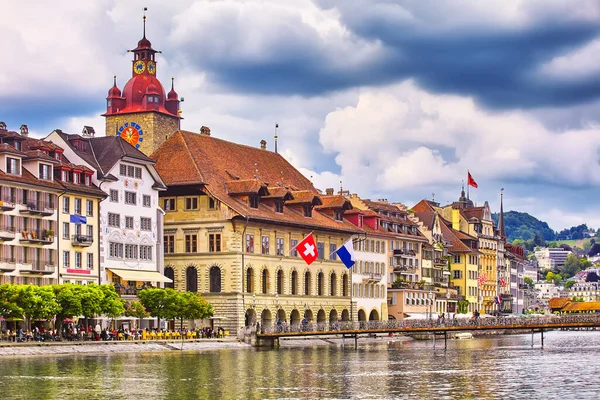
(293, 248)
(468, 184)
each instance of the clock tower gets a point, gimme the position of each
(142, 114)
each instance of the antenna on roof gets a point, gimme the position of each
(282, 183)
(433, 196)
(276, 127)
(255, 171)
(341, 188)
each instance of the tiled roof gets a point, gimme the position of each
(427, 218)
(334, 201)
(247, 186)
(382, 206)
(38, 154)
(102, 153)
(188, 158)
(475, 212)
(276, 192)
(6, 148)
(584, 306)
(558, 303)
(424, 206)
(457, 246)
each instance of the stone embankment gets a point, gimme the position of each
(76, 348)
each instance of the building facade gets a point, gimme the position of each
(129, 234)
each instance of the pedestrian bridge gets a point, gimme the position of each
(269, 336)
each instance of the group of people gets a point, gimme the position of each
(72, 332)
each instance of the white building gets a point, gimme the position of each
(547, 290)
(589, 291)
(131, 221)
(550, 258)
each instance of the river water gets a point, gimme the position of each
(503, 367)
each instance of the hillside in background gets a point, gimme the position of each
(523, 226)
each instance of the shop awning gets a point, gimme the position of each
(140, 276)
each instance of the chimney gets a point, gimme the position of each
(3, 125)
(24, 130)
(205, 130)
(276, 127)
(329, 191)
(263, 144)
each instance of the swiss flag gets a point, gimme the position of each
(471, 181)
(308, 249)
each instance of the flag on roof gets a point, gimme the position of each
(346, 254)
(471, 181)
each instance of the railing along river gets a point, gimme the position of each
(435, 324)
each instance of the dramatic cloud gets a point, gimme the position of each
(394, 98)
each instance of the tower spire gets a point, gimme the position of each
(145, 9)
(501, 228)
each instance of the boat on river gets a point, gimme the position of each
(463, 335)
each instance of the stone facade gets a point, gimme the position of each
(156, 128)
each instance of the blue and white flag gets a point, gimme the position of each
(346, 254)
(78, 219)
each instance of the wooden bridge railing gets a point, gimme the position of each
(418, 324)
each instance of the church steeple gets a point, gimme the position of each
(501, 228)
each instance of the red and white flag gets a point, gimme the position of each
(502, 282)
(307, 249)
(471, 181)
(482, 278)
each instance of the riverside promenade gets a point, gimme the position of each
(8, 349)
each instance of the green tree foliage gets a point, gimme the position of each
(111, 304)
(171, 305)
(553, 277)
(575, 232)
(9, 307)
(525, 227)
(136, 309)
(528, 281)
(569, 284)
(36, 302)
(594, 250)
(69, 303)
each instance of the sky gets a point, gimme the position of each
(390, 99)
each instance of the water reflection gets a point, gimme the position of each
(484, 368)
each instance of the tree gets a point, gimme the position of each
(111, 304)
(569, 284)
(9, 307)
(552, 277)
(529, 282)
(37, 302)
(594, 250)
(160, 303)
(571, 266)
(194, 307)
(69, 303)
(136, 309)
(91, 300)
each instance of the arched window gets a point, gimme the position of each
(215, 280)
(307, 283)
(191, 279)
(320, 284)
(249, 280)
(294, 283)
(345, 285)
(170, 273)
(280, 282)
(265, 281)
(333, 285)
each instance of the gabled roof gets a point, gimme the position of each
(456, 245)
(425, 206)
(276, 192)
(583, 306)
(246, 186)
(474, 212)
(188, 158)
(427, 218)
(334, 201)
(102, 153)
(558, 303)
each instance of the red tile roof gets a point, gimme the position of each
(188, 158)
(456, 245)
(582, 307)
(558, 303)
(334, 201)
(276, 192)
(247, 186)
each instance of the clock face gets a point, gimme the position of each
(151, 67)
(132, 133)
(139, 66)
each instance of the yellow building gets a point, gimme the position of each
(234, 215)
(477, 222)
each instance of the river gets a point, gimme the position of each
(502, 367)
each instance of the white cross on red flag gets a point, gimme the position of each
(307, 249)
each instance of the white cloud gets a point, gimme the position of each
(577, 65)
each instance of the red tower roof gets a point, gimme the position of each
(172, 93)
(114, 92)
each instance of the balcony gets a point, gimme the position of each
(38, 208)
(38, 267)
(126, 290)
(398, 252)
(45, 236)
(7, 264)
(372, 277)
(82, 240)
(405, 268)
(7, 204)
(7, 232)
(440, 261)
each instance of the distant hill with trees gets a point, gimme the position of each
(526, 227)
